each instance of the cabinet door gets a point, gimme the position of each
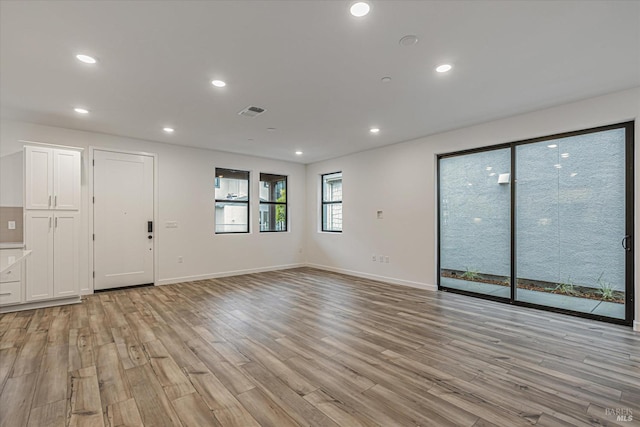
(66, 180)
(39, 239)
(38, 177)
(65, 254)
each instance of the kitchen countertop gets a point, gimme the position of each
(13, 245)
(10, 257)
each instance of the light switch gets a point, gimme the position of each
(11, 225)
(379, 215)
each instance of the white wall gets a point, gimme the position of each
(185, 194)
(407, 234)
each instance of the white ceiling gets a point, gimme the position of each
(314, 67)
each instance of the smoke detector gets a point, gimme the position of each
(252, 111)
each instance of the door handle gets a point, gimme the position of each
(626, 243)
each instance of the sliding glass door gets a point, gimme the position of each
(545, 223)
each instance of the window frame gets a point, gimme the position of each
(236, 202)
(630, 201)
(323, 202)
(269, 203)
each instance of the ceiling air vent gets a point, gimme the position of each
(251, 111)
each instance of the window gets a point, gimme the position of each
(273, 202)
(232, 201)
(332, 202)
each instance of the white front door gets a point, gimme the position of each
(122, 219)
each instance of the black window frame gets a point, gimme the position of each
(221, 171)
(276, 204)
(323, 203)
(629, 127)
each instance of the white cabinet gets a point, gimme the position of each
(52, 269)
(10, 281)
(52, 178)
(66, 238)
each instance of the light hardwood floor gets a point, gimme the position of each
(307, 347)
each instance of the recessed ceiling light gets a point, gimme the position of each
(489, 168)
(298, 153)
(360, 9)
(168, 130)
(552, 146)
(374, 130)
(564, 155)
(409, 40)
(81, 110)
(385, 79)
(86, 59)
(218, 83)
(558, 166)
(443, 68)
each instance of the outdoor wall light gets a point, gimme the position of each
(504, 178)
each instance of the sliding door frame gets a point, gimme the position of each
(629, 222)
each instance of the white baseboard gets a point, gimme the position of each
(227, 274)
(425, 286)
(636, 325)
(40, 304)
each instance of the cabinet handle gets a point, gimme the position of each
(49, 222)
(55, 200)
(49, 200)
(3, 294)
(56, 222)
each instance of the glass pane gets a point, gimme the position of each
(231, 184)
(332, 217)
(232, 217)
(273, 188)
(475, 222)
(570, 222)
(332, 187)
(273, 217)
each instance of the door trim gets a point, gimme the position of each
(156, 234)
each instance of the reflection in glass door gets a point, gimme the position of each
(545, 223)
(570, 222)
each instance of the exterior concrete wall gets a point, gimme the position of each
(569, 210)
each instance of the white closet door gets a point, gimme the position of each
(39, 239)
(65, 254)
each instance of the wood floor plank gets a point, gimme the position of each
(16, 398)
(153, 404)
(51, 415)
(310, 347)
(193, 412)
(265, 410)
(86, 407)
(124, 413)
(52, 379)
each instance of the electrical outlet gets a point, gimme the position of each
(179, 260)
(380, 258)
(11, 225)
(386, 259)
(373, 257)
